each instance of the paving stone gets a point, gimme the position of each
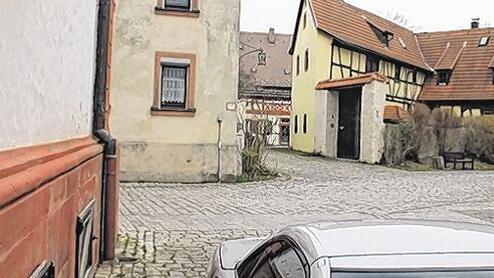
(172, 230)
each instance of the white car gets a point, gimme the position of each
(403, 249)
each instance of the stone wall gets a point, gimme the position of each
(43, 190)
(372, 122)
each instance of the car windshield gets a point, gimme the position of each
(417, 274)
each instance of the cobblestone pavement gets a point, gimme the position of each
(172, 230)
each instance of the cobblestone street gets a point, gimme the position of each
(172, 230)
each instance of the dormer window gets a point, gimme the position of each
(484, 41)
(443, 77)
(384, 36)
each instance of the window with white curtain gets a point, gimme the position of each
(174, 86)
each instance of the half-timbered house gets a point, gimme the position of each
(265, 82)
(353, 71)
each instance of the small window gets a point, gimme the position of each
(295, 125)
(414, 76)
(383, 36)
(305, 123)
(298, 64)
(177, 5)
(484, 41)
(84, 247)
(173, 86)
(305, 20)
(45, 270)
(443, 77)
(372, 64)
(397, 72)
(306, 62)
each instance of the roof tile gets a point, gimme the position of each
(332, 84)
(335, 16)
(471, 78)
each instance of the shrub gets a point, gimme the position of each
(422, 135)
(480, 137)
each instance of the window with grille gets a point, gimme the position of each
(177, 4)
(174, 86)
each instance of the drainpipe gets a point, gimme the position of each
(109, 192)
(220, 121)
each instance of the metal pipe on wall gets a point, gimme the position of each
(109, 197)
(219, 119)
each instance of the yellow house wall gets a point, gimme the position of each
(169, 148)
(303, 85)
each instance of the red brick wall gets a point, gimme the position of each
(41, 224)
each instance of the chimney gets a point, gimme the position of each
(475, 23)
(271, 36)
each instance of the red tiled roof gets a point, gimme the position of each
(272, 80)
(471, 78)
(395, 114)
(491, 64)
(349, 82)
(450, 56)
(352, 25)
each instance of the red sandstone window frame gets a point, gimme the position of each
(192, 11)
(189, 110)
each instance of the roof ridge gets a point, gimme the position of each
(456, 31)
(491, 64)
(421, 52)
(457, 57)
(448, 45)
(265, 33)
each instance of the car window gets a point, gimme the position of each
(287, 265)
(278, 260)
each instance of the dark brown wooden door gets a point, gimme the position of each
(349, 124)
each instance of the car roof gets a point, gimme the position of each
(346, 242)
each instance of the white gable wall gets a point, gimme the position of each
(47, 54)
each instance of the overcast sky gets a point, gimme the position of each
(428, 15)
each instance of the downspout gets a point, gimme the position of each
(109, 192)
(220, 146)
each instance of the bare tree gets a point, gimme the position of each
(256, 128)
(402, 20)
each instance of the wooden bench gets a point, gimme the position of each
(457, 158)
